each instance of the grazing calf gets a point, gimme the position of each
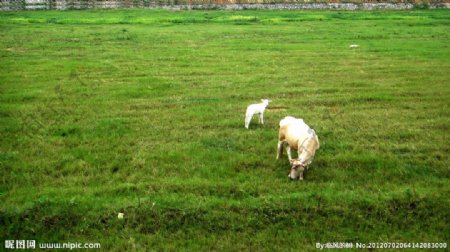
(256, 109)
(299, 136)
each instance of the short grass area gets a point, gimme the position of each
(142, 112)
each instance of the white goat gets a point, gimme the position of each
(298, 135)
(256, 109)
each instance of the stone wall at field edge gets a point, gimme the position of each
(8, 5)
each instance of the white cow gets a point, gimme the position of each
(256, 109)
(299, 136)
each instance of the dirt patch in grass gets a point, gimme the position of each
(277, 108)
(20, 49)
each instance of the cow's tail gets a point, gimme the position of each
(317, 140)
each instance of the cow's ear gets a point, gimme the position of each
(291, 161)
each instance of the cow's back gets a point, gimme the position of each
(293, 131)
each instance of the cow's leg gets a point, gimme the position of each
(280, 149)
(261, 118)
(288, 151)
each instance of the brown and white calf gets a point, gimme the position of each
(299, 136)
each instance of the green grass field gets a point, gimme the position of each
(142, 112)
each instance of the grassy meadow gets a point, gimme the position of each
(142, 112)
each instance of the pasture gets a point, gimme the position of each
(142, 112)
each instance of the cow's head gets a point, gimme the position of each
(297, 169)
